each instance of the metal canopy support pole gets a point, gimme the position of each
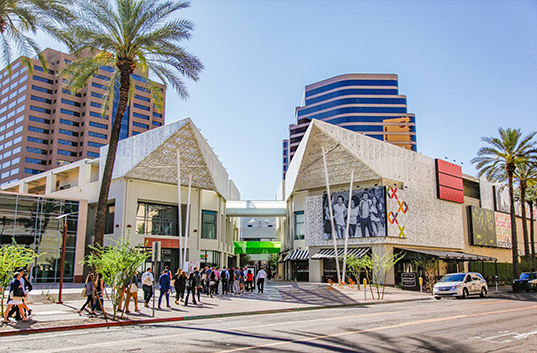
(347, 230)
(331, 216)
(179, 205)
(187, 217)
(62, 264)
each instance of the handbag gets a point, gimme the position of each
(212, 283)
(133, 288)
(84, 293)
(18, 292)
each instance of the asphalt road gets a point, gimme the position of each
(500, 324)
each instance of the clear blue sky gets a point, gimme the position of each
(466, 67)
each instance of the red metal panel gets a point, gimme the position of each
(450, 194)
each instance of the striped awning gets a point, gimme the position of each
(329, 253)
(297, 255)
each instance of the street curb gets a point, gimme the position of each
(197, 317)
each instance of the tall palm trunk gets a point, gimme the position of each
(532, 236)
(524, 224)
(100, 218)
(514, 241)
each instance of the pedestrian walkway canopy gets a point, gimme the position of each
(297, 255)
(329, 253)
(256, 209)
(452, 255)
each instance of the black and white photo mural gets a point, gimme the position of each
(366, 209)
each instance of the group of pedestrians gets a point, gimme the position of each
(210, 281)
(19, 287)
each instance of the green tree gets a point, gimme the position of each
(382, 264)
(116, 263)
(531, 199)
(12, 257)
(429, 266)
(525, 173)
(128, 35)
(20, 17)
(357, 264)
(499, 159)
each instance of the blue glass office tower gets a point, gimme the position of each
(366, 103)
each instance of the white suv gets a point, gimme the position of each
(461, 285)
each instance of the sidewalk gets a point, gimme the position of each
(279, 296)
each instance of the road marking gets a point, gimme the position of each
(240, 329)
(404, 324)
(513, 335)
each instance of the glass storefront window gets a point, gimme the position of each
(158, 219)
(31, 222)
(208, 224)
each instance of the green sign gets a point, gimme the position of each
(257, 247)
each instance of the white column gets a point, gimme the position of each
(348, 226)
(331, 216)
(179, 205)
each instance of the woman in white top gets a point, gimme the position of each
(376, 210)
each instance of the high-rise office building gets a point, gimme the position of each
(366, 103)
(43, 125)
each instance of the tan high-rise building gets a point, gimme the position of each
(43, 125)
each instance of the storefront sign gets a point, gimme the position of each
(409, 279)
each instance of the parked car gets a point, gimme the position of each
(461, 285)
(527, 282)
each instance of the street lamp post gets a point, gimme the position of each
(64, 245)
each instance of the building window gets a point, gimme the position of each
(37, 140)
(140, 106)
(208, 224)
(94, 134)
(42, 79)
(40, 110)
(68, 132)
(109, 220)
(69, 112)
(70, 102)
(134, 123)
(32, 171)
(41, 89)
(96, 95)
(67, 153)
(40, 99)
(93, 155)
(38, 129)
(97, 125)
(156, 123)
(67, 143)
(145, 99)
(95, 144)
(68, 122)
(141, 116)
(97, 85)
(157, 115)
(35, 161)
(158, 219)
(299, 225)
(39, 120)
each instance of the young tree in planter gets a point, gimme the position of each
(382, 264)
(12, 257)
(531, 199)
(128, 35)
(116, 263)
(429, 266)
(357, 264)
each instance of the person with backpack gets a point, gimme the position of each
(89, 288)
(191, 288)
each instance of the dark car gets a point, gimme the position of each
(527, 282)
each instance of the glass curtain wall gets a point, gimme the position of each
(31, 222)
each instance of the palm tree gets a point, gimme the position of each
(500, 158)
(525, 172)
(531, 199)
(128, 35)
(20, 17)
